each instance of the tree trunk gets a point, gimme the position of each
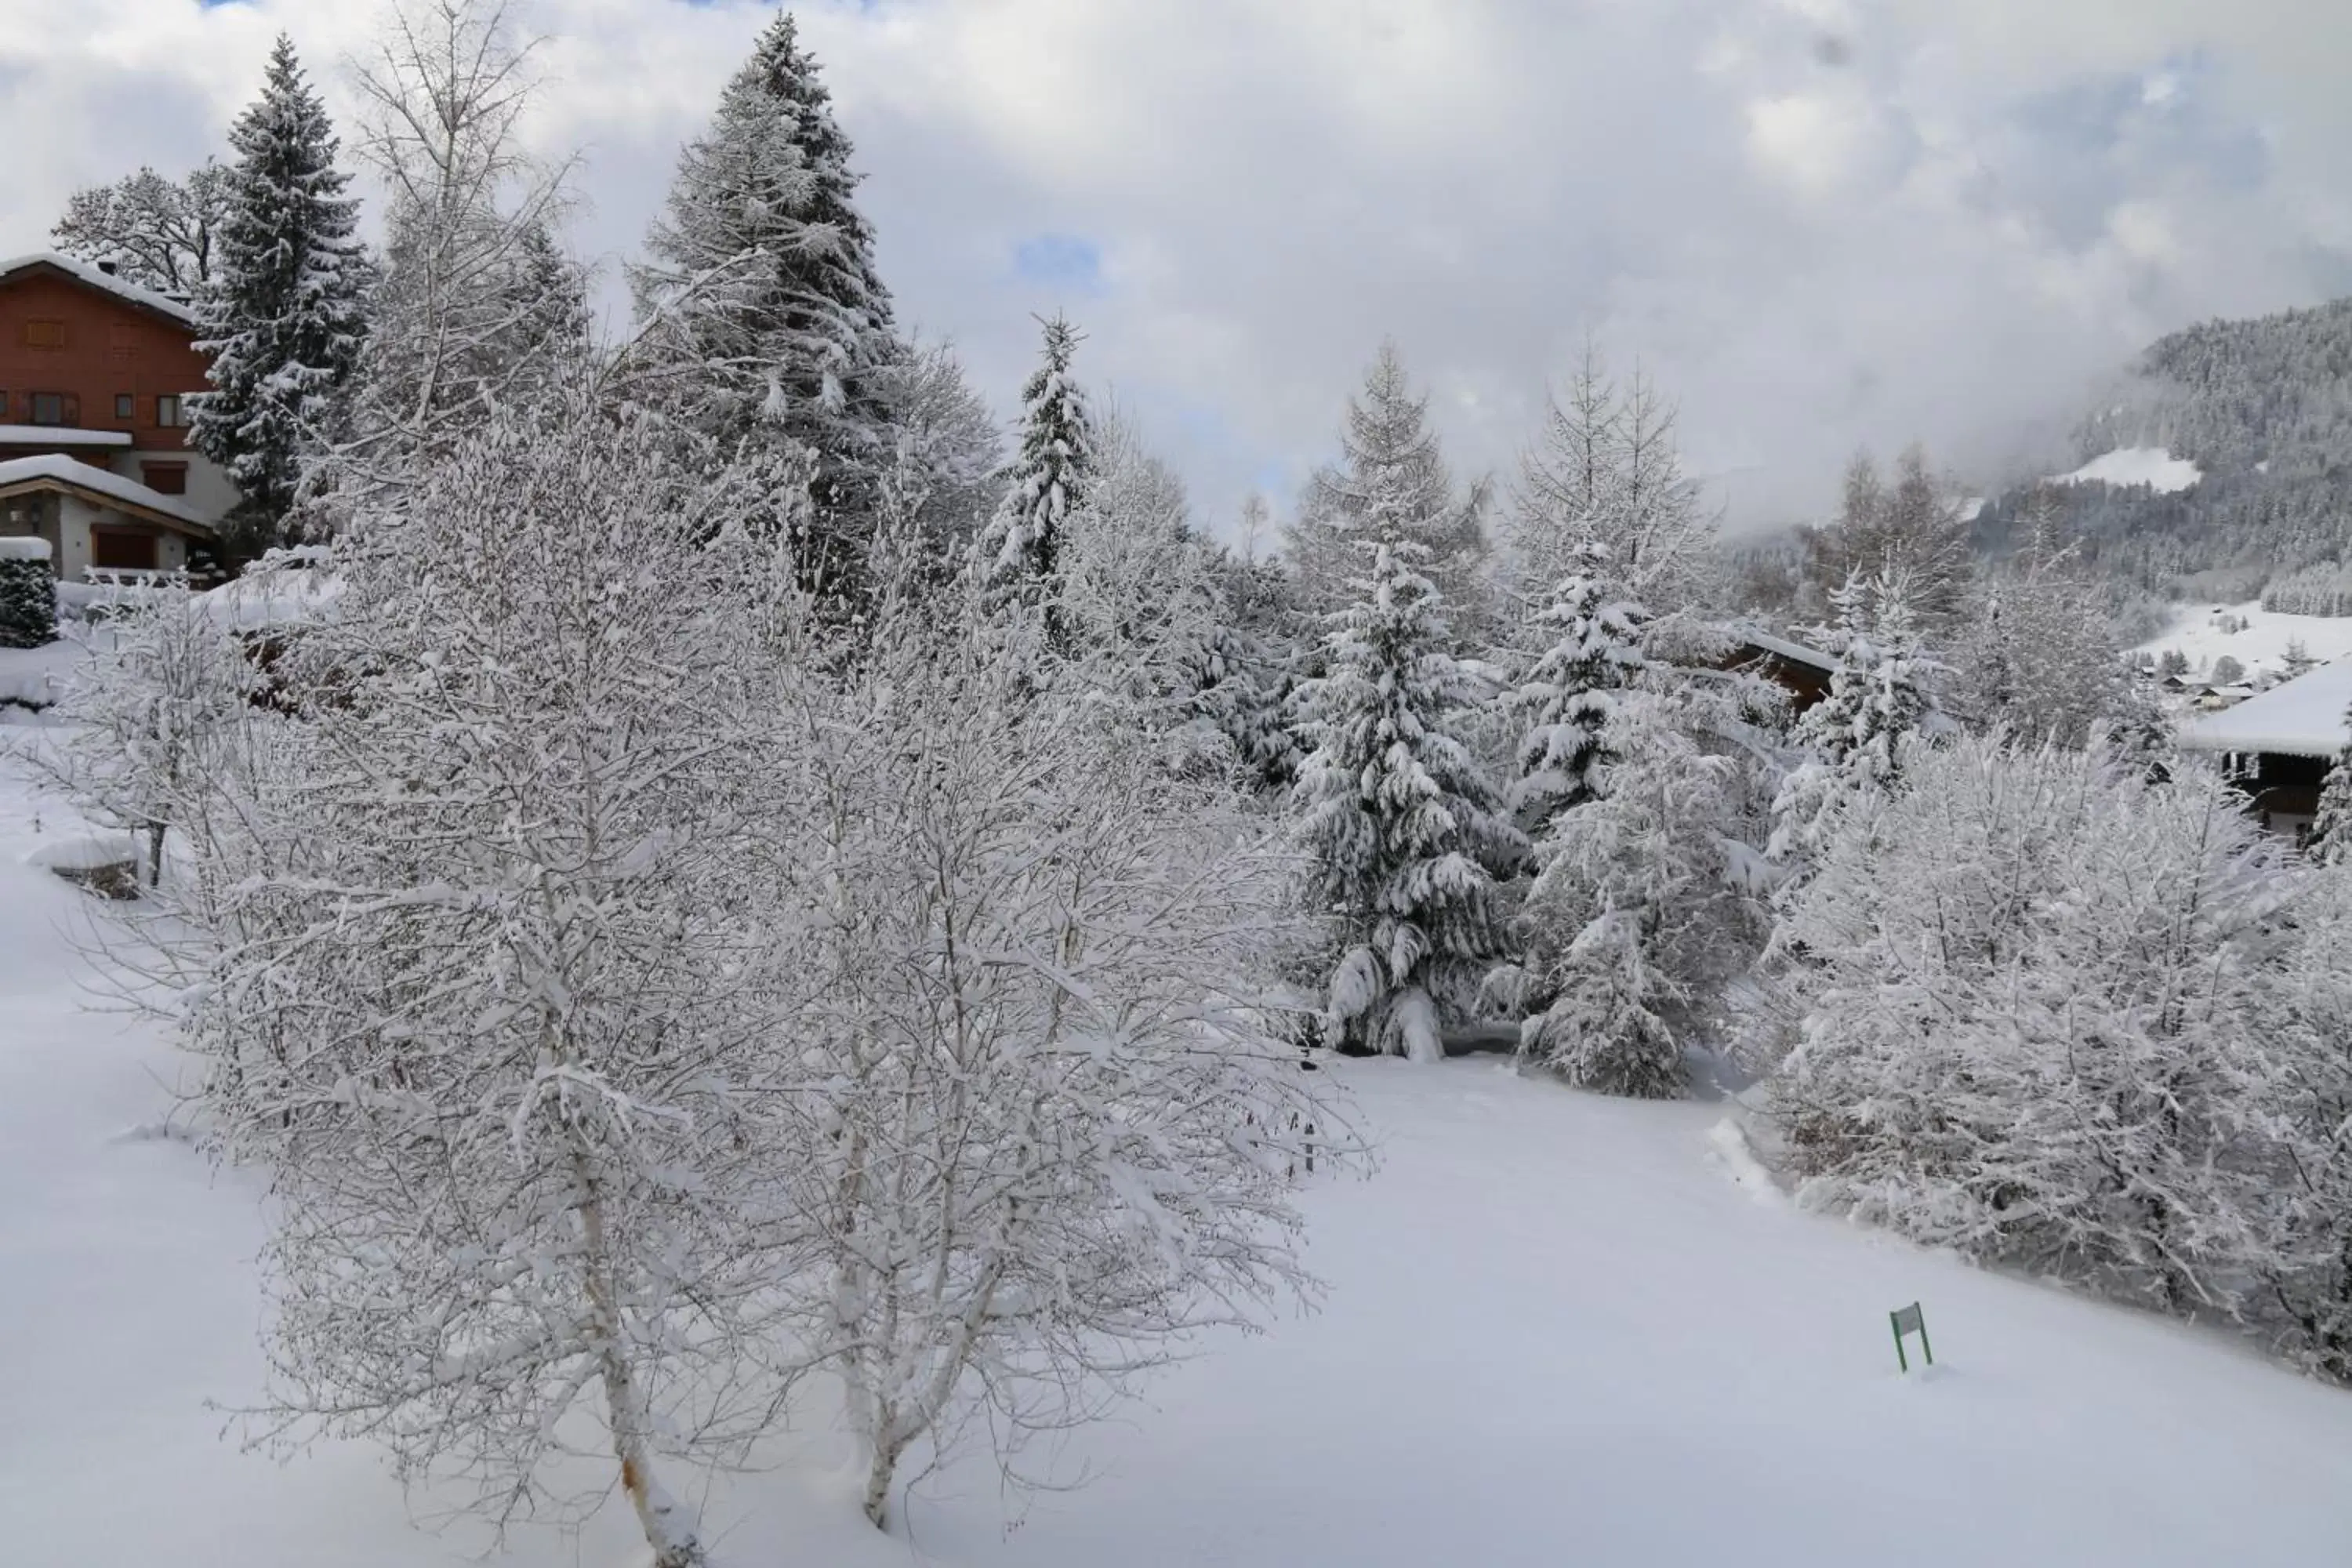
(878, 1482)
(669, 1529)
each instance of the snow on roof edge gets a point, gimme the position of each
(2300, 717)
(96, 277)
(61, 435)
(72, 471)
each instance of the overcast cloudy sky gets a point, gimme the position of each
(1820, 223)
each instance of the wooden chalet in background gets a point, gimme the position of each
(1802, 672)
(95, 374)
(2279, 744)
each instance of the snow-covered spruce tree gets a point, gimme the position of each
(1049, 1129)
(489, 1017)
(158, 234)
(1391, 483)
(28, 594)
(940, 485)
(764, 319)
(1021, 553)
(1563, 702)
(1406, 831)
(284, 312)
(2036, 1008)
(458, 324)
(1852, 738)
(2330, 840)
(1629, 918)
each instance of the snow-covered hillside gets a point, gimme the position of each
(1559, 1329)
(2257, 638)
(2151, 465)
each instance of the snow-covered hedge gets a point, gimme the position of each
(28, 594)
(2057, 1014)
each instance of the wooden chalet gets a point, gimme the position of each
(2279, 744)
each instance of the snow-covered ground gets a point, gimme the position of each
(2261, 644)
(2151, 465)
(1559, 1330)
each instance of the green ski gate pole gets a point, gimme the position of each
(1910, 1319)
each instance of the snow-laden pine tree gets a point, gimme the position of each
(1049, 1125)
(2330, 840)
(285, 311)
(157, 233)
(1852, 739)
(763, 317)
(1563, 702)
(480, 987)
(2039, 1003)
(1406, 831)
(1390, 482)
(1047, 480)
(1629, 920)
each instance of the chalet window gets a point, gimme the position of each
(165, 478)
(122, 404)
(41, 334)
(50, 408)
(122, 549)
(167, 411)
(4, 407)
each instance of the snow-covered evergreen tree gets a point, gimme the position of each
(1564, 699)
(284, 311)
(2330, 840)
(764, 319)
(1852, 739)
(1406, 831)
(29, 592)
(1048, 479)
(1391, 483)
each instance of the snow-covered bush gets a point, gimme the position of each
(473, 984)
(28, 594)
(1047, 1125)
(2036, 991)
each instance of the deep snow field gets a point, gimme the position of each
(2261, 643)
(1559, 1330)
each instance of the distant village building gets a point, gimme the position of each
(95, 374)
(1802, 672)
(2279, 744)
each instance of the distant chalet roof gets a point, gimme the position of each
(60, 436)
(2299, 717)
(91, 276)
(55, 470)
(1782, 647)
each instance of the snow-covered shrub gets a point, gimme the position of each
(28, 594)
(1046, 1127)
(2035, 989)
(2227, 670)
(473, 984)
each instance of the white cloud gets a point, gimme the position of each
(1821, 223)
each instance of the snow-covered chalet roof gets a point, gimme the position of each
(98, 278)
(2301, 718)
(71, 473)
(1782, 647)
(60, 436)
